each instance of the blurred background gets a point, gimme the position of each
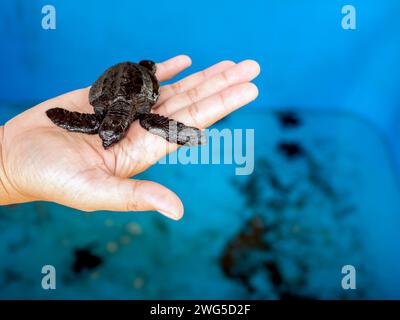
(325, 189)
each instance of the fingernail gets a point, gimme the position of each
(172, 215)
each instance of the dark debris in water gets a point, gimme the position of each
(290, 150)
(237, 262)
(288, 119)
(240, 248)
(282, 206)
(85, 260)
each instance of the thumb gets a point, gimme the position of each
(118, 194)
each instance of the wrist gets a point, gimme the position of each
(5, 196)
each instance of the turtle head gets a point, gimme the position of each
(109, 137)
(149, 65)
(113, 129)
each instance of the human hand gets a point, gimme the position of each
(42, 162)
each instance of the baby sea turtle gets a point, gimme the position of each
(122, 94)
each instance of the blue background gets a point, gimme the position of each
(308, 62)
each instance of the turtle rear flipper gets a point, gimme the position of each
(74, 121)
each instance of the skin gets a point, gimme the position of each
(42, 162)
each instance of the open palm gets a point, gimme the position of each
(44, 162)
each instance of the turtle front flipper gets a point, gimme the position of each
(74, 121)
(172, 130)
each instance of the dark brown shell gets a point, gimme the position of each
(128, 82)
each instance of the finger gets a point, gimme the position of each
(243, 72)
(117, 194)
(170, 68)
(208, 111)
(192, 81)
